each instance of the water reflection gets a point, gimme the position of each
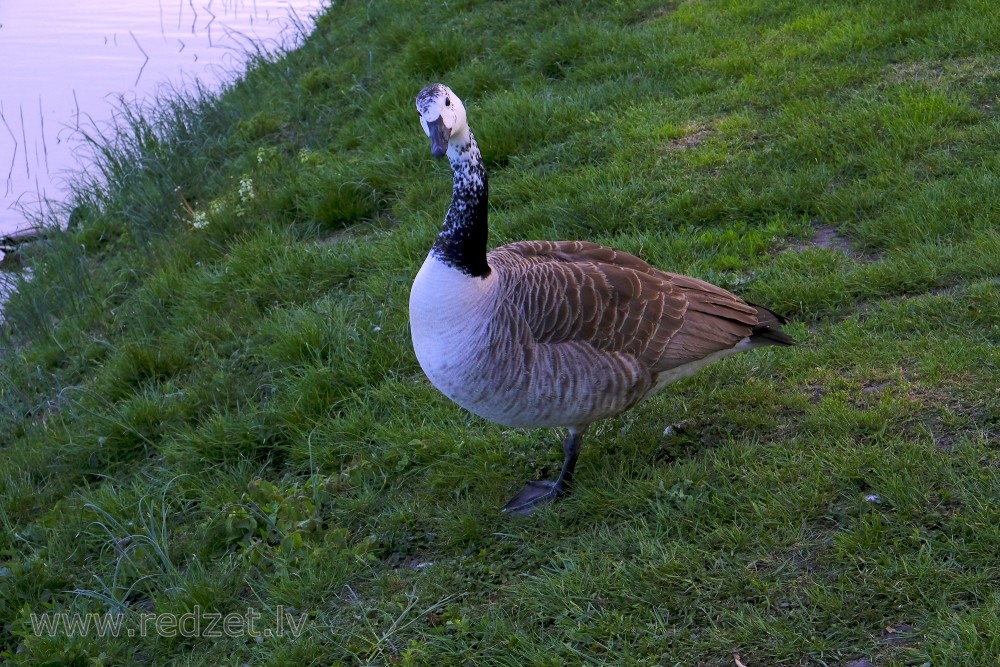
(66, 63)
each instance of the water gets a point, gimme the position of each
(64, 64)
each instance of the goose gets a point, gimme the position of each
(539, 334)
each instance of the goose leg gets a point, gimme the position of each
(538, 492)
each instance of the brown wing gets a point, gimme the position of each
(573, 291)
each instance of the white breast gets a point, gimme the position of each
(449, 311)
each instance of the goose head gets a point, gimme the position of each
(442, 116)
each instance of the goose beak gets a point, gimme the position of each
(439, 134)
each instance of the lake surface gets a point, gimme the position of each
(64, 64)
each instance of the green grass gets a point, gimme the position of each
(230, 416)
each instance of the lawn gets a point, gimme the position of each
(209, 404)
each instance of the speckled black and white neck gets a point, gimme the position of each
(462, 241)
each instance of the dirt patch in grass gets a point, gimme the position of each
(415, 563)
(798, 563)
(688, 141)
(898, 635)
(874, 387)
(816, 392)
(860, 662)
(954, 70)
(915, 71)
(979, 75)
(658, 13)
(950, 420)
(826, 237)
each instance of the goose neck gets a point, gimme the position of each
(462, 240)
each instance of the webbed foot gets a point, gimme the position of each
(534, 495)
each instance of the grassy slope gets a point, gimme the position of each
(232, 416)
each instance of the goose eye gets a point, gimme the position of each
(447, 101)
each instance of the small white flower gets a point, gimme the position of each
(246, 190)
(200, 220)
(307, 157)
(260, 155)
(873, 498)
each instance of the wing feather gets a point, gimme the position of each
(579, 292)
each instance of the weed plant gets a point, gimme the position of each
(208, 398)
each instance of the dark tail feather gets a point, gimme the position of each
(768, 330)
